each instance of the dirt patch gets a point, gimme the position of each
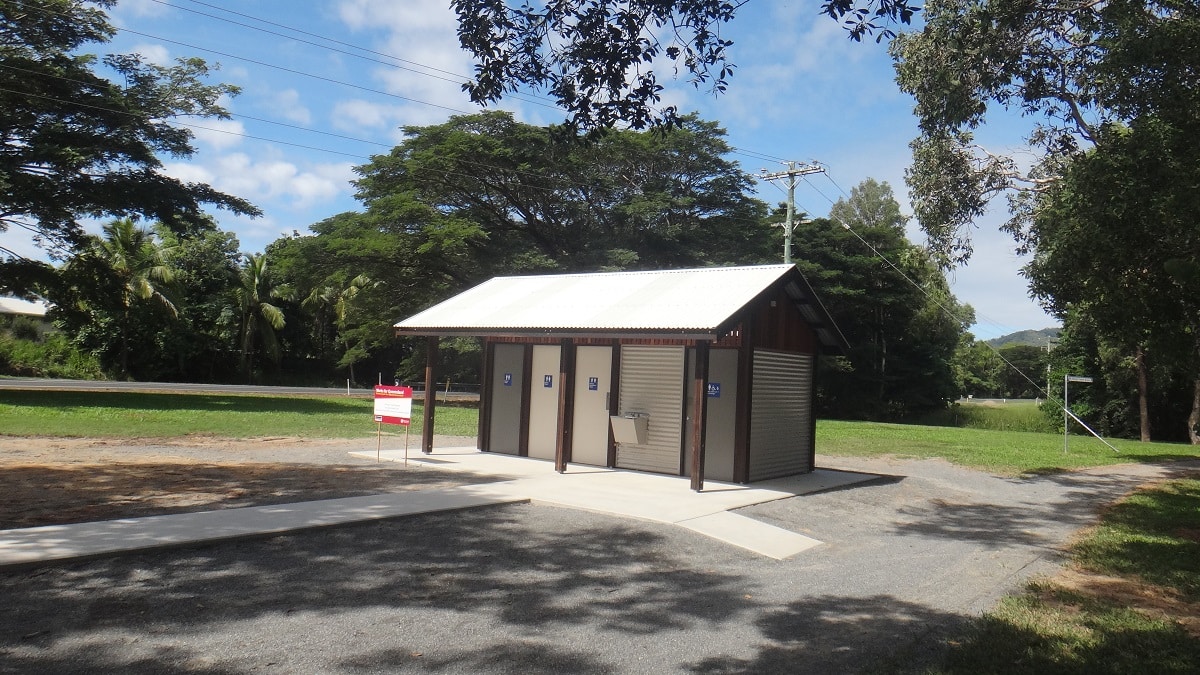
(51, 481)
(1149, 599)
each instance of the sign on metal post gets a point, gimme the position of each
(393, 405)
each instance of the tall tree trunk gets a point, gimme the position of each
(1194, 418)
(1143, 393)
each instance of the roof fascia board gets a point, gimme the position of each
(573, 334)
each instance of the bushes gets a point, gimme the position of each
(51, 356)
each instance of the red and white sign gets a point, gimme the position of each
(393, 405)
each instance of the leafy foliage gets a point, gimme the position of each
(1071, 68)
(260, 317)
(483, 195)
(116, 294)
(901, 339)
(79, 145)
(597, 58)
(1107, 236)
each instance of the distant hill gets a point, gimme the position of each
(1037, 338)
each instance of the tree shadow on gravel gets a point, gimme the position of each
(517, 568)
(1041, 508)
(527, 659)
(829, 634)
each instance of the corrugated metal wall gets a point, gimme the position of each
(781, 414)
(652, 382)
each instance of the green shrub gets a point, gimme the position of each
(52, 356)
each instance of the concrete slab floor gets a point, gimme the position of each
(655, 497)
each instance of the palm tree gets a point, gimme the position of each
(138, 263)
(340, 300)
(260, 318)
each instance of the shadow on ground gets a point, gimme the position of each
(493, 565)
(828, 634)
(1022, 516)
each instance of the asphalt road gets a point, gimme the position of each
(536, 589)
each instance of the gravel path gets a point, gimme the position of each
(536, 589)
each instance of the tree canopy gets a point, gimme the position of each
(1071, 68)
(902, 335)
(598, 58)
(78, 143)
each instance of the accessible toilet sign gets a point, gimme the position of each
(393, 405)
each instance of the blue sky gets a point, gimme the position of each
(802, 91)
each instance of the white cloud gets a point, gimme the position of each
(357, 114)
(156, 54)
(430, 66)
(139, 8)
(417, 16)
(281, 182)
(217, 133)
(286, 103)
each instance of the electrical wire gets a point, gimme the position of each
(392, 61)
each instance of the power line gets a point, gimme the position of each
(929, 296)
(736, 150)
(391, 62)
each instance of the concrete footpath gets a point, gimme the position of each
(664, 499)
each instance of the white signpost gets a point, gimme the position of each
(393, 405)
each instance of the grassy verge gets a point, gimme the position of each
(1017, 415)
(1132, 605)
(159, 415)
(1001, 452)
(165, 415)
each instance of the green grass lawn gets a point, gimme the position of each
(161, 415)
(165, 415)
(1001, 452)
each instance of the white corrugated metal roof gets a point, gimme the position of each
(24, 307)
(674, 301)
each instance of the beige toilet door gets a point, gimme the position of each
(593, 381)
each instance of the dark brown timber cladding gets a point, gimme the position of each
(777, 324)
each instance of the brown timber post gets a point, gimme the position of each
(565, 352)
(699, 414)
(431, 353)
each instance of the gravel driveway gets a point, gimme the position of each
(538, 589)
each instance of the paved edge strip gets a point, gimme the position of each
(77, 541)
(752, 535)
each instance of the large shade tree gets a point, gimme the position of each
(601, 59)
(1107, 206)
(504, 196)
(1113, 244)
(81, 136)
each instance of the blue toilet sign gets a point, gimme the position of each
(714, 390)
(593, 384)
(548, 381)
(508, 379)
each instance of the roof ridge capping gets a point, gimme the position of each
(682, 270)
